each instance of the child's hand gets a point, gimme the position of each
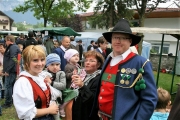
(75, 72)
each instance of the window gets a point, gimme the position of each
(156, 48)
(4, 27)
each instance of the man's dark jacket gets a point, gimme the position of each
(10, 57)
(30, 41)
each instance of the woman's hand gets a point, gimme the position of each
(48, 80)
(53, 108)
(77, 80)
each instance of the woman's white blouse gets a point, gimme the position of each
(23, 98)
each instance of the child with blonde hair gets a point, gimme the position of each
(164, 99)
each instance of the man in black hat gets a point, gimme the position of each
(127, 89)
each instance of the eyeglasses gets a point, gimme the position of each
(90, 61)
(120, 38)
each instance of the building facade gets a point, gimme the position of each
(5, 22)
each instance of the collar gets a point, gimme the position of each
(117, 59)
(100, 49)
(63, 48)
(123, 56)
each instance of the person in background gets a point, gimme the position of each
(73, 43)
(2, 78)
(80, 49)
(108, 49)
(95, 45)
(41, 44)
(164, 100)
(20, 47)
(21, 39)
(102, 46)
(126, 89)
(65, 43)
(9, 68)
(49, 44)
(56, 44)
(82, 108)
(25, 37)
(91, 46)
(31, 96)
(30, 40)
(21, 67)
(2, 50)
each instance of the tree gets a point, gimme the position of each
(108, 12)
(14, 25)
(38, 25)
(144, 8)
(50, 9)
(20, 26)
(73, 21)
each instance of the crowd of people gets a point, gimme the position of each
(61, 80)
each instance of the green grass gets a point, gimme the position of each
(164, 81)
(9, 113)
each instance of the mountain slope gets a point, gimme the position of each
(19, 17)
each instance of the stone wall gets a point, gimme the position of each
(167, 62)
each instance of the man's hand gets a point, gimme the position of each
(6, 74)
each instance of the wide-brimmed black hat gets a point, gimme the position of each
(122, 27)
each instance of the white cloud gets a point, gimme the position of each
(6, 5)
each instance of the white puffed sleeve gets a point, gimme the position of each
(23, 99)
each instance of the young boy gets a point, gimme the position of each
(164, 100)
(58, 79)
